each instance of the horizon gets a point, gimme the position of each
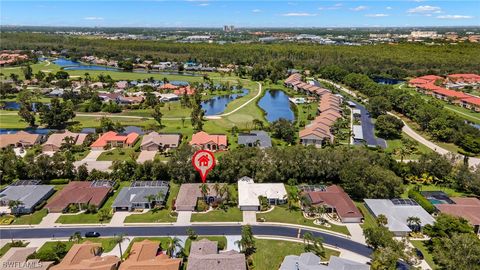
(241, 14)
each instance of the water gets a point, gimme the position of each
(276, 105)
(15, 106)
(127, 129)
(41, 131)
(387, 81)
(217, 105)
(74, 65)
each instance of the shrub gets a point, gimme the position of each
(40, 206)
(58, 181)
(173, 214)
(202, 206)
(422, 201)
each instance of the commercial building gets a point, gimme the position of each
(249, 191)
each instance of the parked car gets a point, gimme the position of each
(92, 234)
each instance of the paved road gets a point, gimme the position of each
(133, 231)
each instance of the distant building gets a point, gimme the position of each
(424, 34)
(358, 134)
(154, 141)
(228, 28)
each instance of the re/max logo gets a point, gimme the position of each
(27, 264)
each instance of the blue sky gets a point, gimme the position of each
(212, 13)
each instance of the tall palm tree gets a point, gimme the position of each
(173, 243)
(161, 197)
(119, 239)
(204, 189)
(150, 198)
(217, 188)
(14, 205)
(75, 237)
(414, 223)
(292, 198)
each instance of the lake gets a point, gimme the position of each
(74, 65)
(41, 131)
(387, 80)
(276, 105)
(217, 105)
(15, 106)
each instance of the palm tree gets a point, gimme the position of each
(246, 243)
(292, 197)
(414, 223)
(150, 198)
(217, 188)
(204, 189)
(382, 220)
(96, 251)
(313, 244)
(305, 201)
(14, 205)
(161, 197)
(75, 237)
(173, 243)
(119, 239)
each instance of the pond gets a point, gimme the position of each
(276, 105)
(381, 80)
(41, 131)
(74, 65)
(217, 105)
(14, 106)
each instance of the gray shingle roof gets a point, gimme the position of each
(130, 195)
(255, 136)
(310, 261)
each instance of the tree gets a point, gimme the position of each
(76, 237)
(157, 115)
(62, 75)
(40, 76)
(103, 215)
(204, 189)
(27, 72)
(460, 251)
(119, 239)
(313, 244)
(283, 129)
(378, 106)
(292, 198)
(150, 199)
(389, 127)
(247, 242)
(414, 223)
(57, 114)
(173, 244)
(14, 205)
(192, 235)
(446, 226)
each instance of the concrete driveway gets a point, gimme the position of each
(249, 217)
(146, 155)
(91, 162)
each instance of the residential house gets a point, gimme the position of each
(55, 141)
(80, 193)
(467, 208)
(29, 195)
(204, 255)
(256, 138)
(189, 194)
(147, 255)
(107, 97)
(21, 139)
(214, 142)
(358, 134)
(121, 84)
(168, 97)
(337, 201)
(137, 196)
(397, 212)
(130, 100)
(87, 256)
(249, 191)
(310, 261)
(56, 92)
(113, 139)
(16, 258)
(154, 141)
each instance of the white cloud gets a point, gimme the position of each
(203, 4)
(299, 14)
(334, 7)
(377, 15)
(256, 10)
(93, 18)
(359, 8)
(388, 8)
(454, 17)
(425, 9)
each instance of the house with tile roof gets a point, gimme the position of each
(467, 208)
(212, 142)
(337, 201)
(20, 139)
(113, 139)
(87, 256)
(155, 141)
(16, 258)
(189, 194)
(148, 255)
(55, 141)
(204, 255)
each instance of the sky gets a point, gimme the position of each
(246, 13)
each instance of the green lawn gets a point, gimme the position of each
(368, 218)
(81, 155)
(163, 241)
(158, 216)
(119, 154)
(283, 215)
(107, 244)
(270, 253)
(426, 254)
(233, 214)
(392, 145)
(222, 242)
(84, 218)
(8, 246)
(34, 218)
(449, 191)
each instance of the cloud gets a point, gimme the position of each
(388, 8)
(425, 9)
(334, 7)
(256, 10)
(359, 8)
(299, 14)
(93, 18)
(377, 15)
(203, 4)
(454, 17)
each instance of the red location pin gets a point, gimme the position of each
(203, 161)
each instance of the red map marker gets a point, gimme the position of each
(203, 161)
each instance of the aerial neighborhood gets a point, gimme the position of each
(208, 148)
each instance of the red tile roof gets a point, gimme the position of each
(201, 138)
(78, 192)
(335, 197)
(468, 208)
(110, 136)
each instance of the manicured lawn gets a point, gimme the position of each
(107, 244)
(283, 215)
(392, 145)
(84, 218)
(118, 154)
(158, 216)
(222, 242)
(232, 214)
(270, 253)
(81, 155)
(34, 218)
(7, 247)
(163, 242)
(426, 254)
(449, 191)
(369, 219)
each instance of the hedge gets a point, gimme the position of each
(422, 201)
(59, 181)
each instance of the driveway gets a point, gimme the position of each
(249, 217)
(146, 155)
(184, 217)
(91, 162)
(369, 128)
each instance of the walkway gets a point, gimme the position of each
(419, 138)
(244, 104)
(231, 242)
(116, 250)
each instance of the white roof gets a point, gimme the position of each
(397, 215)
(248, 191)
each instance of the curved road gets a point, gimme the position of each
(260, 230)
